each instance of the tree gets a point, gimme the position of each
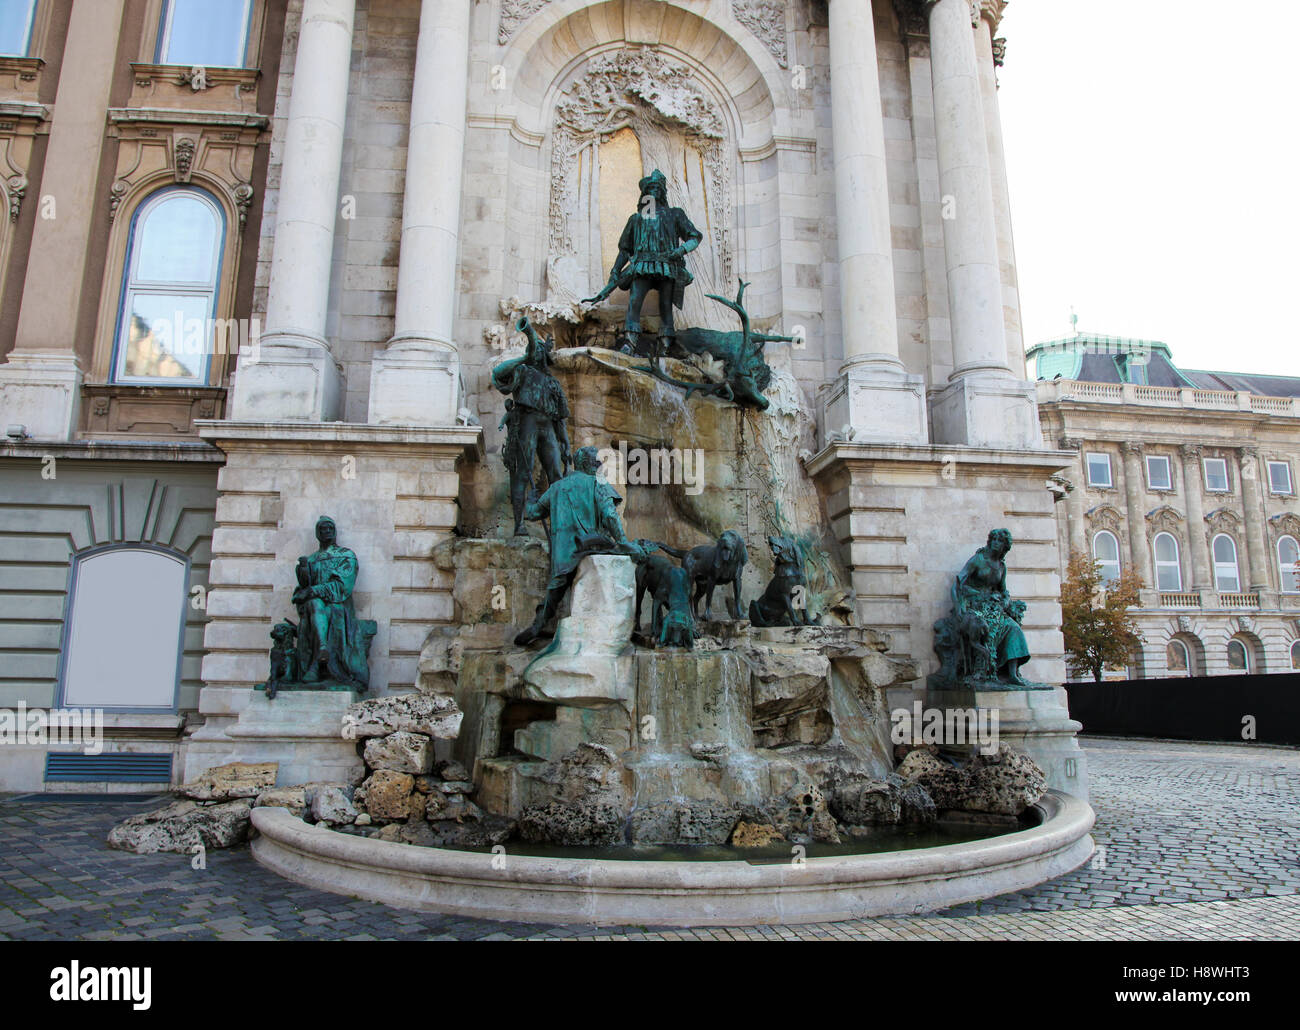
(1098, 618)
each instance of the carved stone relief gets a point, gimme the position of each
(766, 20)
(513, 14)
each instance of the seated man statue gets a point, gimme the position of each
(333, 644)
(583, 513)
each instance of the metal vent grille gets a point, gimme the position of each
(119, 768)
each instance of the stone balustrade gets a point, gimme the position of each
(1166, 397)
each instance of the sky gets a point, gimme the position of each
(1152, 153)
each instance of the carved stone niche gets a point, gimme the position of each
(629, 111)
(167, 412)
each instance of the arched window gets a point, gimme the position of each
(1105, 550)
(1295, 656)
(1169, 569)
(1226, 578)
(169, 296)
(16, 27)
(1179, 659)
(122, 638)
(211, 33)
(1288, 554)
(1238, 656)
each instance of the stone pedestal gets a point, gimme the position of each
(41, 391)
(300, 730)
(287, 376)
(987, 410)
(590, 659)
(1036, 722)
(414, 383)
(392, 493)
(877, 404)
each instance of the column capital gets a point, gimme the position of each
(1191, 451)
(1249, 451)
(1133, 447)
(991, 11)
(1071, 443)
(1000, 51)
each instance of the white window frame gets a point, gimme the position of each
(1118, 562)
(1245, 651)
(132, 285)
(1087, 460)
(165, 35)
(1287, 570)
(1177, 563)
(1220, 565)
(1290, 485)
(31, 30)
(1169, 472)
(1205, 471)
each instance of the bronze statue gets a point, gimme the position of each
(583, 513)
(710, 566)
(784, 602)
(534, 420)
(329, 648)
(652, 256)
(669, 586)
(982, 638)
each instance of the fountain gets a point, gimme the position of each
(740, 770)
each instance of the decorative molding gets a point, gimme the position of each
(1166, 519)
(116, 193)
(1133, 447)
(1191, 451)
(1246, 624)
(183, 157)
(914, 26)
(991, 11)
(16, 186)
(1224, 520)
(1000, 51)
(513, 15)
(766, 20)
(243, 194)
(1105, 516)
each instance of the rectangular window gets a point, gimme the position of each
(211, 33)
(1099, 469)
(1216, 475)
(1279, 477)
(16, 27)
(1158, 477)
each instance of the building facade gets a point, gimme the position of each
(262, 255)
(1189, 478)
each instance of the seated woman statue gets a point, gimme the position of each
(333, 644)
(981, 590)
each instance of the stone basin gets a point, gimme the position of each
(595, 891)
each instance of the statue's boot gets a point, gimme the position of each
(631, 341)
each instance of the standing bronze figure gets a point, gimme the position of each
(535, 420)
(652, 256)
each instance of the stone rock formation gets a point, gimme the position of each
(183, 826)
(1005, 783)
(227, 782)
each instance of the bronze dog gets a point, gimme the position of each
(712, 565)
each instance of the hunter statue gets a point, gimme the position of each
(535, 420)
(652, 256)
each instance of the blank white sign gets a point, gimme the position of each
(123, 645)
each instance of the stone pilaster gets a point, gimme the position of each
(1200, 557)
(40, 383)
(1135, 493)
(1252, 503)
(291, 374)
(416, 379)
(875, 398)
(1075, 502)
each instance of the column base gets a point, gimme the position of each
(875, 404)
(291, 377)
(414, 382)
(41, 391)
(986, 410)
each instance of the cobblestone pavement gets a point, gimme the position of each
(1197, 841)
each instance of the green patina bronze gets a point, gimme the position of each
(329, 648)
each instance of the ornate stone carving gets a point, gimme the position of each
(1165, 519)
(184, 157)
(657, 98)
(1245, 624)
(1191, 451)
(1000, 51)
(992, 10)
(766, 20)
(1184, 624)
(1285, 524)
(914, 26)
(1224, 520)
(17, 188)
(1132, 447)
(115, 194)
(513, 14)
(1104, 516)
(244, 193)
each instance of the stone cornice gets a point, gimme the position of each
(178, 116)
(23, 110)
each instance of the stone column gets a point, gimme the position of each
(987, 55)
(1199, 546)
(1135, 491)
(875, 397)
(1252, 502)
(292, 375)
(415, 380)
(40, 383)
(984, 404)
